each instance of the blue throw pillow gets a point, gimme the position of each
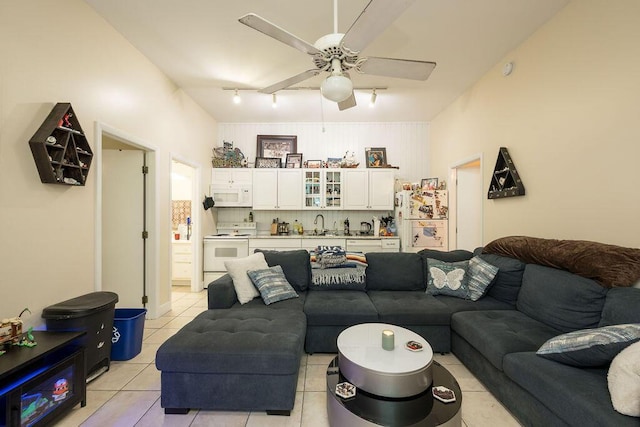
(272, 284)
(590, 347)
(447, 278)
(481, 274)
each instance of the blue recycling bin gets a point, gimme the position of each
(128, 328)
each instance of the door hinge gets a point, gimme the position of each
(145, 299)
(145, 170)
(145, 234)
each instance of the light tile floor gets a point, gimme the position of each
(129, 393)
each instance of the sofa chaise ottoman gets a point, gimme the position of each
(241, 359)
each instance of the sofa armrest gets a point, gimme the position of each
(221, 293)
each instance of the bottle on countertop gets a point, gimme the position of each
(297, 227)
(274, 227)
(250, 216)
(346, 227)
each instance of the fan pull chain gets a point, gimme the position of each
(335, 16)
(322, 113)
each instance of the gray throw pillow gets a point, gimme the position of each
(272, 284)
(590, 347)
(481, 274)
(447, 278)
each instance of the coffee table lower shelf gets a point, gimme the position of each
(367, 409)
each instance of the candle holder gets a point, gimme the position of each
(388, 340)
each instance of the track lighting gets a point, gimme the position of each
(274, 102)
(372, 102)
(236, 98)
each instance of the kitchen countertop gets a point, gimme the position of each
(312, 236)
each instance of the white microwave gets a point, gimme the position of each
(232, 196)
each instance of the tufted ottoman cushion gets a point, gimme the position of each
(236, 341)
(226, 359)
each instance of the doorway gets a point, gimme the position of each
(466, 194)
(185, 226)
(125, 259)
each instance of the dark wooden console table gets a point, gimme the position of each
(39, 384)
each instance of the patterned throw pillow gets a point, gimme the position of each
(590, 347)
(481, 274)
(447, 278)
(272, 284)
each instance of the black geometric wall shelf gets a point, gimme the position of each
(505, 181)
(60, 149)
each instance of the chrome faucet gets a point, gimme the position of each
(316, 222)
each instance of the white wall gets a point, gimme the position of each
(568, 115)
(64, 52)
(407, 143)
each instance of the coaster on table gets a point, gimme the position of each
(345, 390)
(413, 346)
(443, 394)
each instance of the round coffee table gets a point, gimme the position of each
(390, 373)
(393, 387)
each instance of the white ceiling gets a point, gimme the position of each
(203, 48)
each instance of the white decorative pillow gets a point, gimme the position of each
(237, 269)
(624, 381)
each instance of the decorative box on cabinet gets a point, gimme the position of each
(60, 148)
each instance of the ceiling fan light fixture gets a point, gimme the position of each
(336, 88)
(372, 102)
(236, 98)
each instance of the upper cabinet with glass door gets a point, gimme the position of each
(322, 189)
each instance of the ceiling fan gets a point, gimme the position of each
(338, 53)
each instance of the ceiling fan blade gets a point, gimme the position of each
(374, 19)
(290, 81)
(400, 68)
(272, 30)
(347, 103)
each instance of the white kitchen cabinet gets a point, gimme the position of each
(368, 189)
(323, 188)
(181, 260)
(274, 244)
(224, 177)
(277, 189)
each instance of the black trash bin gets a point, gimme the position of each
(92, 313)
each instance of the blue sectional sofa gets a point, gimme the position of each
(229, 355)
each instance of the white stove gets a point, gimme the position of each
(230, 242)
(233, 230)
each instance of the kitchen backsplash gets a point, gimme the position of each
(332, 219)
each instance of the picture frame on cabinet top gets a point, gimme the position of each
(376, 157)
(314, 164)
(276, 146)
(268, 162)
(294, 160)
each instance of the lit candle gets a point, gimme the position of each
(387, 339)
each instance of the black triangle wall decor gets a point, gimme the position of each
(505, 181)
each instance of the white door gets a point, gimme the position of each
(122, 225)
(469, 194)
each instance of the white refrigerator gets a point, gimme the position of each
(422, 217)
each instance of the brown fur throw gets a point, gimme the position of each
(609, 265)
